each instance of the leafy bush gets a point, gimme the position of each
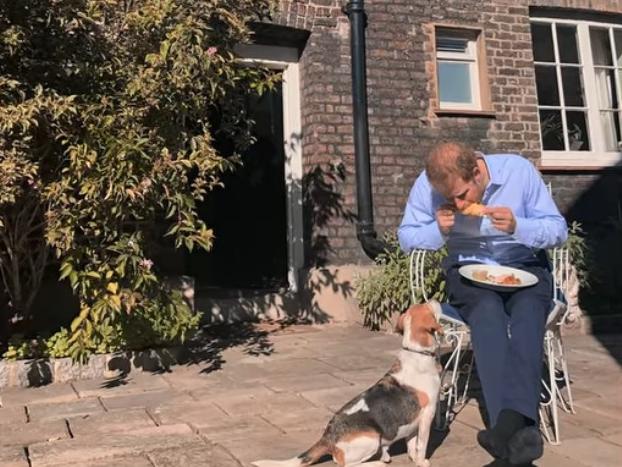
(386, 290)
(108, 110)
(579, 253)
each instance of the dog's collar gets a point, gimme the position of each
(429, 353)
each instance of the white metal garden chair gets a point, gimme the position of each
(556, 390)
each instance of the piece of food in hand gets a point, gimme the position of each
(474, 209)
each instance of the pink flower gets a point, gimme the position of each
(146, 263)
(212, 51)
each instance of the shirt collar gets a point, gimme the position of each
(495, 172)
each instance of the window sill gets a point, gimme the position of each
(465, 113)
(575, 161)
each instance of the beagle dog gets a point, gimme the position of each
(401, 405)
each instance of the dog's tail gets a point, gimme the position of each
(311, 455)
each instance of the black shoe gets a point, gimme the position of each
(506, 463)
(525, 446)
(486, 439)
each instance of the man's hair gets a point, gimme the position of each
(451, 159)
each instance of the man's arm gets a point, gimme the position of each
(419, 228)
(543, 226)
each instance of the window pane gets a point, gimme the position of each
(610, 122)
(542, 42)
(578, 139)
(572, 86)
(454, 82)
(452, 44)
(552, 130)
(567, 44)
(601, 47)
(618, 36)
(606, 85)
(546, 82)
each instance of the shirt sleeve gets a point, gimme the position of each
(542, 226)
(419, 228)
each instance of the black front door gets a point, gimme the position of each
(249, 215)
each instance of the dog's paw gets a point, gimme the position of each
(423, 463)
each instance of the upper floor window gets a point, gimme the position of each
(458, 69)
(578, 69)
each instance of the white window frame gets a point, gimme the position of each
(597, 156)
(470, 56)
(286, 60)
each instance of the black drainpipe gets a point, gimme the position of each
(355, 10)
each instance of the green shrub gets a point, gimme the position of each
(386, 290)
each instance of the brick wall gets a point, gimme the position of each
(402, 95)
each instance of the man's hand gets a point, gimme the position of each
(502, 219)
(445, 218)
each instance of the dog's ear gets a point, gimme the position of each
(399, 326)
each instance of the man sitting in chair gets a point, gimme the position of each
(493, 210)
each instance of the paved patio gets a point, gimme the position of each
(268, 393)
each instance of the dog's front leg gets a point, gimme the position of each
(418, 444)
(411, 446)
(385, 457)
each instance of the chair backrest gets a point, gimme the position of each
(417, 274)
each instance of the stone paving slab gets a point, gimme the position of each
(614, 439)
(110, 422)
(89, 448)
(51, 411)
(52, 394)
(333, 398)
(196, 456)
(193, 413)
(251, 372)
(147, 399)
(132, 461)
(237, 390)
(12, 415)
(13, 457)
(358, 361)
(109, 387)
(260, 405)
(24, 434)
(244, 428)
(269, 446)
(312, 420)
(300, 383)
(593, 452)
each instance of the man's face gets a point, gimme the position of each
(461, 193)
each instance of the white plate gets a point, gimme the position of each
(527, 279)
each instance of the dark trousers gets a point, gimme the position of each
(507, 333)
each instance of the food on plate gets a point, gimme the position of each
(474, 209)
(501, 279)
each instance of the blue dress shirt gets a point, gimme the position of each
(514, 183)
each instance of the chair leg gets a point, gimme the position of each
(449, 392)
(567, 405)
(469, 371)
(549, 416)
(554, 390)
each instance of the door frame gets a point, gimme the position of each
(285, 59)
